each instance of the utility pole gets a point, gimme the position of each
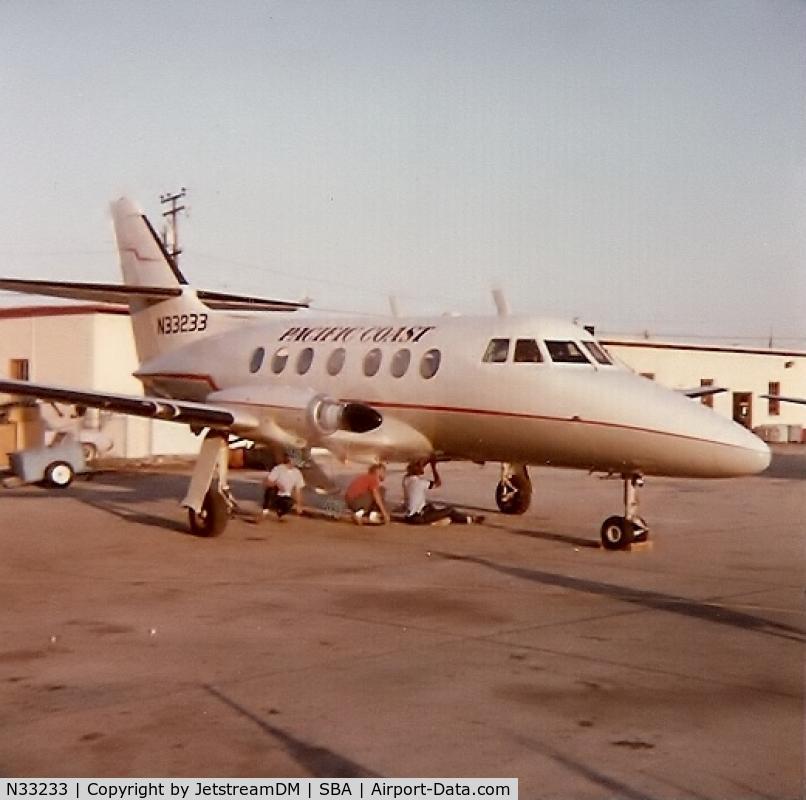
(171, 230)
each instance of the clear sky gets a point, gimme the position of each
(640, 165)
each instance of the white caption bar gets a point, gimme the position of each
(187, 788)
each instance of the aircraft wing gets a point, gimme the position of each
(702, 391)
(799, 400)
(121, 293)
(202, 414)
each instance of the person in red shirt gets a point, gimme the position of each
(365, 496)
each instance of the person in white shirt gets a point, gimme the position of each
(419, 511)
(283, 489)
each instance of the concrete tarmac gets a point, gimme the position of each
(317, 648)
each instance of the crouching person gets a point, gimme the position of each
(365, 496)
(283, 489)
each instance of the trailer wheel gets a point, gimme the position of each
(59, 474)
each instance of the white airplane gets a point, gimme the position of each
(519, 390)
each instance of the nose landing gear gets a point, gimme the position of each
(618, 533)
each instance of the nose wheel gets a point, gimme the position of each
(618, 533)
(513, 494)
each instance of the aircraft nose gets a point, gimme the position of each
(700, 442)
(751, 454)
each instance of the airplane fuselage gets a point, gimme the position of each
(517, 389)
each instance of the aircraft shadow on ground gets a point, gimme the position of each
(148, 487)
(658, 601)
(318, 761)
(547, 536)
(613, 787)
(134, 487)
(791, 466)
(98, 491)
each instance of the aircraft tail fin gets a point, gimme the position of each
(166, 312)
(144, 260)
(159, 325)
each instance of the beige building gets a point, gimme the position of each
(746, 373)
(86, 347)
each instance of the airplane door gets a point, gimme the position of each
(743, 409)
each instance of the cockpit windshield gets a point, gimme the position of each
(598, 352)
(566, 352)
(497, 351)
(526, 351)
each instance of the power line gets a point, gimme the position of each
(171, 214)
(34, 253)
(259, 268)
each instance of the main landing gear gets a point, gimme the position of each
(208, 500)
(514, 490)
(214, 514)
(618, 533)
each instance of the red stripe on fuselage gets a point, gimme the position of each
(520, 415)
(208, 379)
(455, 410)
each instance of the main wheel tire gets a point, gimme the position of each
(59, 474)
(515, 497)
(90, 452)
(617, 533)
(213, 517)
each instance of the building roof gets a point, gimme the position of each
(29, 312)
(702, 348)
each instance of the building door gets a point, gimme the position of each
(743, 409)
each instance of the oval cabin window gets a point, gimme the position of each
(256, 362)
(400, 362)
(335, 361)
(429, 364)
(372, 362)
(304, 360)
(279, 360)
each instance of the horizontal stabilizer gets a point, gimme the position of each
(799, 400)
(202, 414)
(120, 293)
(234, 302)
(702, 391)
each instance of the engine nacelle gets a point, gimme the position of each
(294, 416)
(327, 416)
(394, 440)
